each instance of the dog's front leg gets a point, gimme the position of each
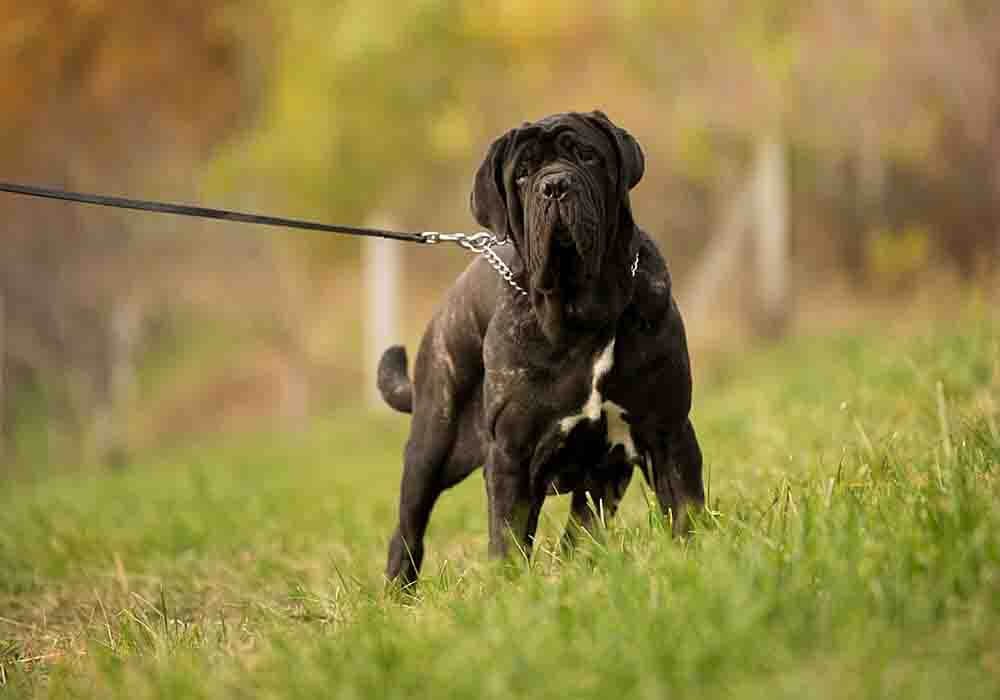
(596, 501)
(513, 507)
(675, 475)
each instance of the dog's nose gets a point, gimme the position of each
(555, 185)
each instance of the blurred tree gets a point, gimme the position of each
(107, 96)
(889, 112)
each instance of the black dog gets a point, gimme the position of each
(565, 386)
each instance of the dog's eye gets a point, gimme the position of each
(588, 156)
(524, 170)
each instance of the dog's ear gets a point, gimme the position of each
(488, 200)
(625, 244)
(630, 158)
(633, 161)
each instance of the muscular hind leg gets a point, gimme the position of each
(443, 445)
(443, 449)
(420, 488)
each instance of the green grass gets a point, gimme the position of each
(853, 551)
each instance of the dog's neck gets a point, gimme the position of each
(592, 309)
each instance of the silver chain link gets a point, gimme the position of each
(503, 269)
(483, 243)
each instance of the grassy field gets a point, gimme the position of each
(853, 551)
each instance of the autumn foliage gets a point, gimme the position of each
(355, 109)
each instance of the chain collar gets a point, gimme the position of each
(483, 243)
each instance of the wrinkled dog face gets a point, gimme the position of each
(559, 189)
(562, 181)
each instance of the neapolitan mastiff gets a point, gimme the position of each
(564, 389)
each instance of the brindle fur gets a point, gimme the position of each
(497, 372)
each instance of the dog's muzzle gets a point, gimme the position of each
(562, 227)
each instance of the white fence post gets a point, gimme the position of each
(381, 320)
(771, 239)
(721, 256)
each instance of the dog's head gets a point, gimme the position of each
(559, 188)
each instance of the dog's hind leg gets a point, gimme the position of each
(443, 447)
(435, 461)
(676, 475)
(595, 502)
(419, 490)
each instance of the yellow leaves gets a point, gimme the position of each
(363, 28)
(915, 136)
(527, 27)
(19, 28)
(119, 68)
(897, 256)
(451, 133)
(696, 154)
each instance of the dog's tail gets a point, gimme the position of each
(393, 381)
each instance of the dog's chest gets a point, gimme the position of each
(596, 407)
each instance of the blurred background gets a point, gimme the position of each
(808, 164)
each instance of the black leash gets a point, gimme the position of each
(222, 214)
(481, 242)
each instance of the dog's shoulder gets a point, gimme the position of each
(652, 299)
(651, 260)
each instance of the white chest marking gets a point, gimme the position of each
(618, 430)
